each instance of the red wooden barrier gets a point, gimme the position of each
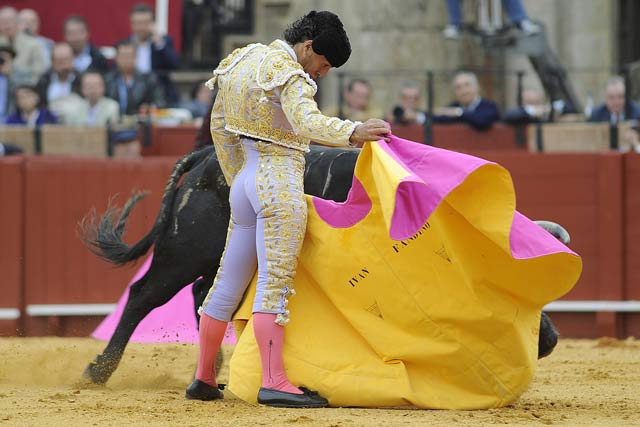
(632, 238)
(595, 196)
(465, 139)
(12, 243)
(171, 140)
(583, 192)
(59, 192)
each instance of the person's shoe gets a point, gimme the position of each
(451, 32)
(199, 390)
(528, 27)
(282, 399)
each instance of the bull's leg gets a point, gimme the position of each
(156, 288)
(548, 337)
(200, 290)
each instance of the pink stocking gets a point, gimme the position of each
(211, 335)
(270, 338)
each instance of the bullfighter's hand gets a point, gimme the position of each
(371, 130)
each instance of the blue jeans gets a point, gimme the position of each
(514, 8)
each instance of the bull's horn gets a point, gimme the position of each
(556, 231)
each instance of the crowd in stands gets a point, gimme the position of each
(72, 80)
(72, 83)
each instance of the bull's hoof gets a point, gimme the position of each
(98, 372)
(548, 338)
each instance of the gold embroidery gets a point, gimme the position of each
(279, 179)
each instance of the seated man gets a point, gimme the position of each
(86, 56)
(29, 62)
(27, 102)
(357, 105)
(615, 109)
(468, 107)
(7, 104)
(90, 109)
(407, 111)
(62, 79)
(532, 110)
(134, 91)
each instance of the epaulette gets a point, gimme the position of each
(230, 61)
(276, 68)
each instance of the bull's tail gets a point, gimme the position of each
(104, 237)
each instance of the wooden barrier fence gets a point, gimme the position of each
(596, 196)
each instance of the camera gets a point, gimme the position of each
(398, 114)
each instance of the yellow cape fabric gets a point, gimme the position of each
(445, 319)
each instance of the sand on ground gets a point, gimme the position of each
(583, 383)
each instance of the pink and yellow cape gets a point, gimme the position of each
(423, 288)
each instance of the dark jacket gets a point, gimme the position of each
(482, 117)
(42, 87)
(602, 114)
(163, 61)
(143, 90)
(98, 61)
(45, 117)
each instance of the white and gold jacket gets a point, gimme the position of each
(265, 94)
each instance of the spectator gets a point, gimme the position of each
(515, 11)
(62, 79)
(154, 52)
(92, 109)
(468, 107)
(201, 98)
(134, 91)
(357, 106)
(29, 22)
(408, 110)
(29, 62)
(615, 109)
(533, 109)
(28, 111)
(7, 105)
(85, 55)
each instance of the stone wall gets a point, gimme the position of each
(398, 40)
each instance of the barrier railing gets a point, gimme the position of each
(55, 284)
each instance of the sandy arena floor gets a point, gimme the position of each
(583, 383)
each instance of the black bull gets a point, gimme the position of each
(189, 236)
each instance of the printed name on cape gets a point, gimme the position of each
(401, 244)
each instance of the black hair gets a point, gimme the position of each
(142, 8)
(327, 32)
(77, 19)
(125, 42)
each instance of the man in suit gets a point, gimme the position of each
(134, 91)
(62, 79)
(154, 52)
(468, 107)
(7, 104)
(85, 55)
(615, 109)
(29, 62)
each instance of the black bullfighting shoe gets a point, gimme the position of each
(282, 399)
(199, 390)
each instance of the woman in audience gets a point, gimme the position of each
(30, 113)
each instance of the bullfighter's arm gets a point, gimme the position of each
(302, 112)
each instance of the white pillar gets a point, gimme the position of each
(162, 16)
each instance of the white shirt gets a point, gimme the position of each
(143, 57)
(58, 88)
(82, 61)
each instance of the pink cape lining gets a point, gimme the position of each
(433, 173)
(173, 322)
